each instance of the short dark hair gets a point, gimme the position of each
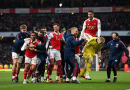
(115, 33)
(91, 11)
(56, 24)
(34, 33)
(41, 32)
(43, 27)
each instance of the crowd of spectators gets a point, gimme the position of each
(109, 21)
(5, 52)
(66, 3)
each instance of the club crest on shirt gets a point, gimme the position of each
(117, 45)
(94, 23)
(116, 60)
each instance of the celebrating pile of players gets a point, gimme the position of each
(40, 52)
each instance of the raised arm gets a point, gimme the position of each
(83, 29)
(106, 46)
(24, 47)
(99, 28)
(50, 36)
(76, 43)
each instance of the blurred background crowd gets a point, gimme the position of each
(66, 3)
(109, 21)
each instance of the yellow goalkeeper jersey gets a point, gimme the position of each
(91, 47)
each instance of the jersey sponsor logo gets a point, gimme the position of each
(117, 45)
(58, 38)
(91, 27)
(116, 60)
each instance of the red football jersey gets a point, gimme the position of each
(77, 50)
(56, 40)
(46, 36)
(30, 53)
(91, 27)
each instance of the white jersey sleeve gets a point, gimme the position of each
(63, 38)
(128, 49)
(26, 42)
(50, 36)
(83, 29)
(99, 28)
(40, 43)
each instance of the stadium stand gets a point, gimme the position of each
(110, 21)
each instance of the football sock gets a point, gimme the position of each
(13, 74)
(25, 73)
(34, 74)
(81, 73)
(16, 74)
(29, 74)
(88, 67)
(57, 77)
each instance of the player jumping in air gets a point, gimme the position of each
(91, 27)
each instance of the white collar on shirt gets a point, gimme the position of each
(57, 33)
(92, 19)
(34, 41)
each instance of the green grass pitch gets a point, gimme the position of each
(97, 83)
